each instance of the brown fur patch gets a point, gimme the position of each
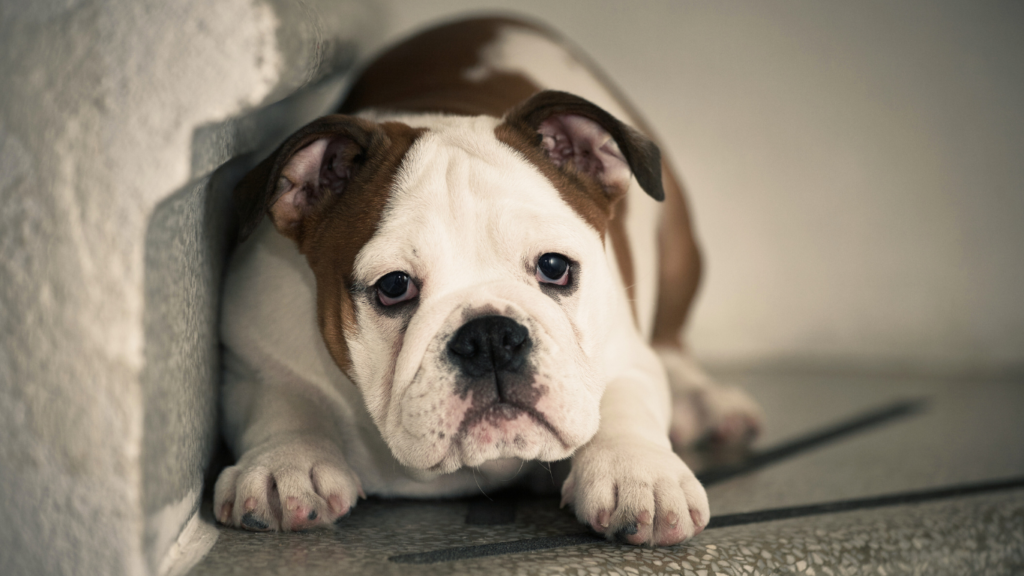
(601, 207)
(679, 266)
(623, 254)
(333, 231)
(426, 74)
(339, 231)
(641, 154)
(585, 196)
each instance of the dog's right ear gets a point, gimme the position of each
(306, 172)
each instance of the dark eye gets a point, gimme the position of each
(553, 269)
(395, 287)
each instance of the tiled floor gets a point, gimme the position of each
(850, 441)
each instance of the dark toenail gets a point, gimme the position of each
(343, 516)
(627, 530)
(251, 521)
(312, 515)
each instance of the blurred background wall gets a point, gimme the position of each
(856, 169)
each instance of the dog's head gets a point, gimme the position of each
(462, 281)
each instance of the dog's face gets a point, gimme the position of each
(462, 281)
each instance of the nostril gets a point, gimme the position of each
(514, 337)
(463, 347)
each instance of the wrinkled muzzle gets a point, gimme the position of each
(492, 382)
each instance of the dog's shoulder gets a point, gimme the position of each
(268, 313)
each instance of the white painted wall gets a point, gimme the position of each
(856, 168)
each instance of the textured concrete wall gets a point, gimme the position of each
(113, 115)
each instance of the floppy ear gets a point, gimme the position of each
(310, 168)
(578, 136)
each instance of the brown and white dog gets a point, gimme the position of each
(467, 270)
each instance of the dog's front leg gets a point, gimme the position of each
(291, 473)
(627, 483)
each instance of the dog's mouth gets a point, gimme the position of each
(501, 430)
(497, 413)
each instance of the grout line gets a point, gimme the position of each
(548, 542)
(897, 499)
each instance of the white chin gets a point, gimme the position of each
(474, 452)
(522, 439)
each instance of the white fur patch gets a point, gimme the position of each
(545, 62)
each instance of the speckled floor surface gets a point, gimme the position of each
(817, 449)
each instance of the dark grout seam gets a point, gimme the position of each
(726, 520)
(830, 434)
(898, 499)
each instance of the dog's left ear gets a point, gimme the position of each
(579, 136)
(312, 166)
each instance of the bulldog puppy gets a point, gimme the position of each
(467, 269)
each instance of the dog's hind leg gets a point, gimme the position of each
(702, 409)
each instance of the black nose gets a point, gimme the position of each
(489, 344)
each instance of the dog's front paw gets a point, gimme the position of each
(291, 484)
(636, 492)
